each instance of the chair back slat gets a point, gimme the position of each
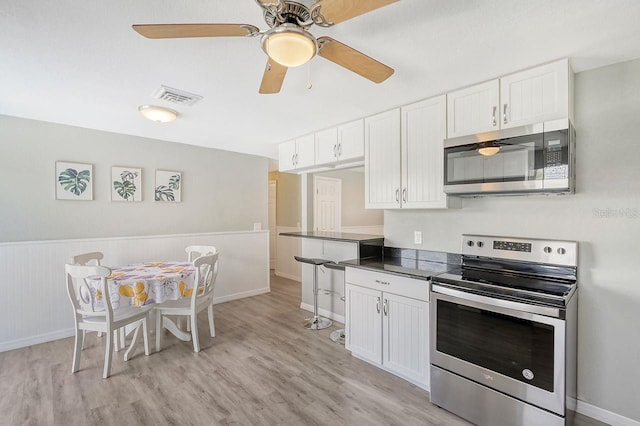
(86, 258)
(193, 252)
(82, 298)
(206, 273)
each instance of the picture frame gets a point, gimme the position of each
(126, 184)
(74, 181)
(168, 187)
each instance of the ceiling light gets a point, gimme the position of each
(157, 113)
(289, 45)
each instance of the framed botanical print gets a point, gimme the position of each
(168, 186)
(126, 184)
(74, 181)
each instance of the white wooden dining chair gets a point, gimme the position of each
(93, 316)
(201, 298)
(193, 252)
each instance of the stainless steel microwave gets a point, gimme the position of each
(537, 158)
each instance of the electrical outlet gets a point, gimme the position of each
(417, 237)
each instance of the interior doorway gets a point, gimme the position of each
(327, 204)
(272, 224)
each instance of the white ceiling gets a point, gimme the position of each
(78, 62)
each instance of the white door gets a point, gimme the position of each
(424, 128)
(327, 205)
(405, 336)
(382, 160)
(363, 323)
(272, 224)
(474, 109)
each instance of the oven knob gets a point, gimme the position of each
(547, 249)
(480, 244)
(561, 250)
(470, 243)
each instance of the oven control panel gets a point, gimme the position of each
(554, 252)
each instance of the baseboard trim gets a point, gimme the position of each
(323, 312)
(604, 415)
(288, 276)
(242, 295)
(36, 340)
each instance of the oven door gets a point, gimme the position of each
(495, 343)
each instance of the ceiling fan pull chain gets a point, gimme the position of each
(309, 85)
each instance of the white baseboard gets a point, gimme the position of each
(323, 312)
(242, 295)
(36, 340)
(604, 416)
(289, 276)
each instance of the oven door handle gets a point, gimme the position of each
(498, 303)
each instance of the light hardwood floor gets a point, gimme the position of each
(262, 368)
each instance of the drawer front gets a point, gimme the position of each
(391, 283)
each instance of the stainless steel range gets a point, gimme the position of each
(503, 332)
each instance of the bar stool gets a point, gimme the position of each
(317, 322)
(338, 335)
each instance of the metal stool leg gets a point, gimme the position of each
(317, 322)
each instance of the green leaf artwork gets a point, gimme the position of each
(174, 182)
(73, 181)
(126, 187)
(164, 193)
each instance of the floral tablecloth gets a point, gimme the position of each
(146, 283)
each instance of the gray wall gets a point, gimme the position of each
(604, 216)
(288, 204)
(222, 191)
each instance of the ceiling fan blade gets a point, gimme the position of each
(353, 60)
(273, 77)
(336, 11)
(195, 30)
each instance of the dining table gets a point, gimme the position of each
(148, 283)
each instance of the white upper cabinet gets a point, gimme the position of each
(340, 144)
(532, 96)
(296, 154)
(423, 133)
(474, 109)
(351, 141)
(535, 95)
(382, 160)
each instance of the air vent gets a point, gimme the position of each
(175, 96)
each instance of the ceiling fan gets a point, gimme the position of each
(288, 42)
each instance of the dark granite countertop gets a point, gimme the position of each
(334, 236)
(419, 264)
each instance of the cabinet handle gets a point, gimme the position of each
(385, 307)
(504, 113)
(398, 195)
(378, 304)
(339, 149)
(296, 158)
(293, 160)
(335, 150)
(382, 282)
(495, 120)
(404, 195)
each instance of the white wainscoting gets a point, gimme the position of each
(34, 306)
(287, 247)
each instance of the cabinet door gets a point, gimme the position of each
(424, 129)
(327, 146)
(306, 152)
(351, 140)
(474, 109)
(406, 337)
(535, 95)
(382, 160)
(363, 322)
(287, 156)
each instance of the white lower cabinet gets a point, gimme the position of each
(387, 323)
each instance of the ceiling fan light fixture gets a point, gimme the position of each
(289, 45)
(157, 113)
(489, 150)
